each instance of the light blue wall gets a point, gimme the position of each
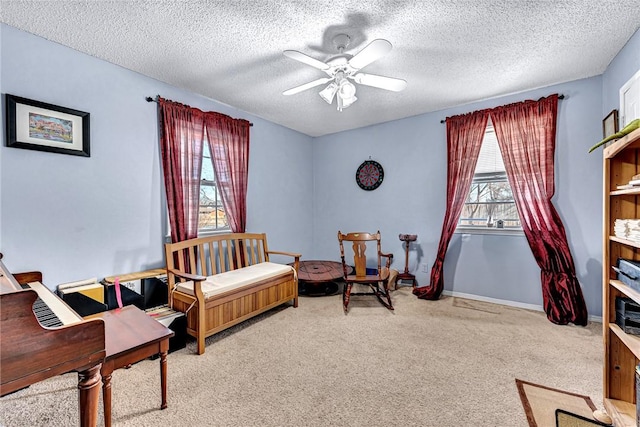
(408, 201)
(74, 217)
(412, 198)
(619, 71)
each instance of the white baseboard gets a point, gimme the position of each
(534, 307)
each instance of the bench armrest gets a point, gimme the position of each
(197, 286)
(188, 276)
(291, 254)
(295, 256)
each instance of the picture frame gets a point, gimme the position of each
(610, 124)
(36, 125)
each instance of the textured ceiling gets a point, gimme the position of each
(451, 52)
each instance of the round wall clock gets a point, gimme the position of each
(369, 175)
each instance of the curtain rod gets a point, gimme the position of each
(150, 99)
(559, 97)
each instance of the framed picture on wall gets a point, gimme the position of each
(610, 124)
(35, 125)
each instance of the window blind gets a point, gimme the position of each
(490, 160)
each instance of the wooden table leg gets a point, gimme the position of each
(164, 348)
(107, 371)
(89, 395)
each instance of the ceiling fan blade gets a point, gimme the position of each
(306, 59)
(382, 82)
(373, 51)
(306, 86)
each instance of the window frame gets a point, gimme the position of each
(488, 177)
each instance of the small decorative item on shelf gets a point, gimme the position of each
(499, 224)
(635, 124)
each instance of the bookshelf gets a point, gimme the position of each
(621, 161)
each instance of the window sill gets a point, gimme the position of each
(204, 233)
(490, 230)
(201, 233)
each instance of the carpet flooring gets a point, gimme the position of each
(450, 362)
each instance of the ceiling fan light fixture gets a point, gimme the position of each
(347, 89)
(346, 94)
(329, 92)
(345, 102)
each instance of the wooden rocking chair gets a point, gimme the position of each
(378, 281)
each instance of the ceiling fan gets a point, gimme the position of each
(343, 68)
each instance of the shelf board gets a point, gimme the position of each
(629, 141)
(625, 241)
(625, 289)
(631, 341)
(623, 413)
(629, 191)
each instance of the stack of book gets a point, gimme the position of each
(174, 320)
(627, 229)
(634, 182)
(164, 314)
(85, 297)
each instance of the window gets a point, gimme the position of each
(490, 202)
(211, 215)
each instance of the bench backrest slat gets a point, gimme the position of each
(192, 259)
(212, 258)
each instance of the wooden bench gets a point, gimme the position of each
(224, 279)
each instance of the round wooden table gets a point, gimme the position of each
(319, 277)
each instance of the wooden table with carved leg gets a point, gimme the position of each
(320, 276)
(131, 335)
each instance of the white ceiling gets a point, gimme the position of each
(451, 52)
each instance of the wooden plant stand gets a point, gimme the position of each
(407, 239)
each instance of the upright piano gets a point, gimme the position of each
(41, 337)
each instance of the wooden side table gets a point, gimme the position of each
(315, 275)
(131, 336)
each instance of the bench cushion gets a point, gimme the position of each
(233, 279)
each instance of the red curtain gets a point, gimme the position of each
(464, 139)
(181, 141)
(526, 135)
(229, 146)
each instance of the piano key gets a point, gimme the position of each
(43, 313)
(49, 309)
